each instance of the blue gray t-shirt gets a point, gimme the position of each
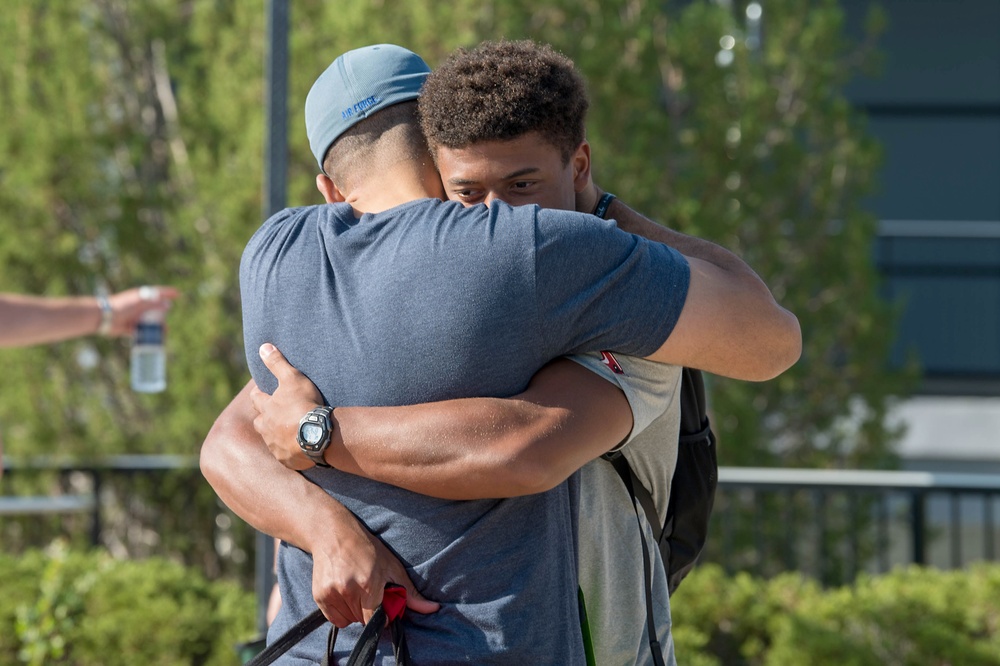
(431, 301)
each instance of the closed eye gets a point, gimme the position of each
(466, 196)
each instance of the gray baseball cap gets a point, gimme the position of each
(356, 85)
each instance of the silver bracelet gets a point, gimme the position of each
(107, 314)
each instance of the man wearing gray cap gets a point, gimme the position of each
(486, 297)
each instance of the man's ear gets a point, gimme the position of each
(581, 167)
(330, 192)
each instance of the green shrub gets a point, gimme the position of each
(19, 582)
(87, 609)
(908, 617)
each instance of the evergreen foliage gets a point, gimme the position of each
(131, 152)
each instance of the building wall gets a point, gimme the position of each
(935, 108)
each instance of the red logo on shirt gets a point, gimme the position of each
(609, 360)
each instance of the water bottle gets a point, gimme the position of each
(149, 358)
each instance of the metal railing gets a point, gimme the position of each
(134, 506)
(84, 494)
(833, 524)
(830, 524)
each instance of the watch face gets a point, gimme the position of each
(311, 433)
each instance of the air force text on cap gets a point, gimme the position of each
(360, 107)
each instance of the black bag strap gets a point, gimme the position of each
(300, 630)
(645, 498)
(364, 650)
(625, 472)
(694, 408)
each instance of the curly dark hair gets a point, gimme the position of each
(501, 90)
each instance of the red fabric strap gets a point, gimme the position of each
(394, 601)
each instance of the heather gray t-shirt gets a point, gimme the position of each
(431, 301)
(612, 583)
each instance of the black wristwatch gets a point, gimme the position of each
(314, 433)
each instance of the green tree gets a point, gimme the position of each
(730, 122)
(131, 152)
(740, 132)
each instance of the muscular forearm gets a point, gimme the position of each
(459, 449)
(766, 338)
(350, 566)
(261, 491)
(476, 448)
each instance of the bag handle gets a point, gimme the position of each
(392, 607)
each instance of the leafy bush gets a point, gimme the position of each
(86, 608)
(908, 617)
(83, 609)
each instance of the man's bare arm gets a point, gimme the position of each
(272, 498)
(458, 449)
(351, 566)
(32, 320)
(731, 324)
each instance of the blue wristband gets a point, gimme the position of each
(601, 210)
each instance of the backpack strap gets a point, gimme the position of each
(694, 428)
(645, 498)
(625, 472)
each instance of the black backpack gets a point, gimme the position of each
(692, 494)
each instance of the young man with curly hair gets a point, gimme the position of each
(506, 121)
(463, 314)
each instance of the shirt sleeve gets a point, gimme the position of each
(599, 287)
(270, 258)
(651, 388)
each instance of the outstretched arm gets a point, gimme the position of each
(31, 320)
(457, 449)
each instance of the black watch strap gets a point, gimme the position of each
(319, 416)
